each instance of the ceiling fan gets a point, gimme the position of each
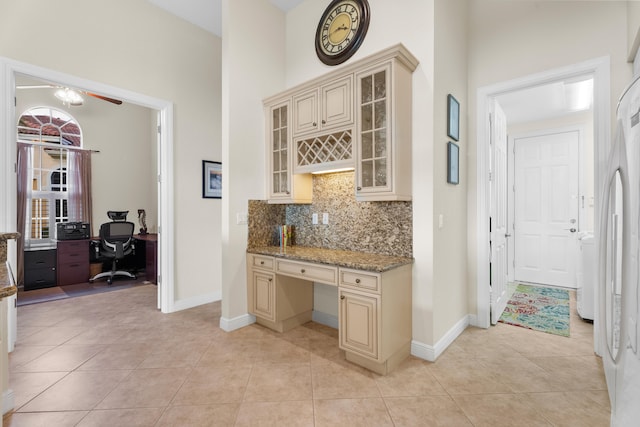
(68, 95)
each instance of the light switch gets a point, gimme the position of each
(440, 221)
(314, 218)
(325, 218)
(241, 218)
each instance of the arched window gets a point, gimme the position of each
(49, 133)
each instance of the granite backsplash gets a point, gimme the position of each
(375, 227)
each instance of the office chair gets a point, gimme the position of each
(116, 243)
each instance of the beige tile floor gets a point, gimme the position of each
(113, 360)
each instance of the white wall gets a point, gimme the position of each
(509, 40)
(253, 68)
(450, 241)
(138, 47)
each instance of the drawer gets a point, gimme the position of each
(308, 271)
(360, 279)
(72, 273)
(36, 278)
(264, 262)
(73, 247)
(39, 259)
(67, 257)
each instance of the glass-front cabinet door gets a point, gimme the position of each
(280, 150)
(284, 187)
(374, 153)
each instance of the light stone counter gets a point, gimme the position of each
(349, 259)
(7, 288)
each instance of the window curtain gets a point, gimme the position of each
(79, 187)
(24, 188)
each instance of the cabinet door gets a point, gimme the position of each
(264, 295)
(358, 323)
(305, 112)
(279, 151)
(337, 103)
(284, 187)
(374, 131)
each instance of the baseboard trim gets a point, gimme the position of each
(187, 303)
(431, 353)
(325, 319)
(229, 325)
(8, 401)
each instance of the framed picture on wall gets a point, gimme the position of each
(453, 163)
(453, 118)
(211, 180)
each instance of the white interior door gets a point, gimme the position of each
(499, 254)
(547, 208)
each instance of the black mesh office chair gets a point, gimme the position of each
(116, 243)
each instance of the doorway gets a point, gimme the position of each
(8, 200)
(599, 69)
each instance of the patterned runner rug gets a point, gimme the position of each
(539, 308)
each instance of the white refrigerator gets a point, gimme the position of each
(618, 304)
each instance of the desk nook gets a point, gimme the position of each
(374, 294)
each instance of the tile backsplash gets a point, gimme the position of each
(374, 227)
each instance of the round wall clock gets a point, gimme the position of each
(341, 30)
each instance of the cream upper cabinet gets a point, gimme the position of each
(322, 108)
(284, 186)
(383, 132)
(357, 117)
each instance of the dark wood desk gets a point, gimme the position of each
(151, 254)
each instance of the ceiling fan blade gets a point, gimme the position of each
(105, 98)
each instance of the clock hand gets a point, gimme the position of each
(343, 27)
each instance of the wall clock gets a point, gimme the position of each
(341, 30)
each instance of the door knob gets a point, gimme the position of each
(573, 230)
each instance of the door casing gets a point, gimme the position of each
(8, 70)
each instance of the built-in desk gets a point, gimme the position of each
(374, 298)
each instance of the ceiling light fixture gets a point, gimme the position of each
(69, 97)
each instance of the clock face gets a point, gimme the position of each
(341, 30)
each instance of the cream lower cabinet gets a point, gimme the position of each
(375, 317)
(278, 302)
(374, 308)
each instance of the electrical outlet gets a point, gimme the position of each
(325, 218)
(314, 218)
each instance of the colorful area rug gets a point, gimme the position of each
(539, 308)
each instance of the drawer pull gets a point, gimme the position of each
(357, 280)
(302, 270)
(270, 279)
(341, 296)
(261, 262)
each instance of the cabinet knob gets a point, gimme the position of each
(358, 188)
(357, 280)
(315, 124)
(341, 296)
(261, 262)
(270, 279)
(302, 270)
(324, 122)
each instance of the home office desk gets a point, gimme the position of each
(146, 255)
(150, 243)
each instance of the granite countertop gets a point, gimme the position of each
(349, 259)
(7, 288)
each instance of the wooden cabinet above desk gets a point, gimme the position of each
(374, 303)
